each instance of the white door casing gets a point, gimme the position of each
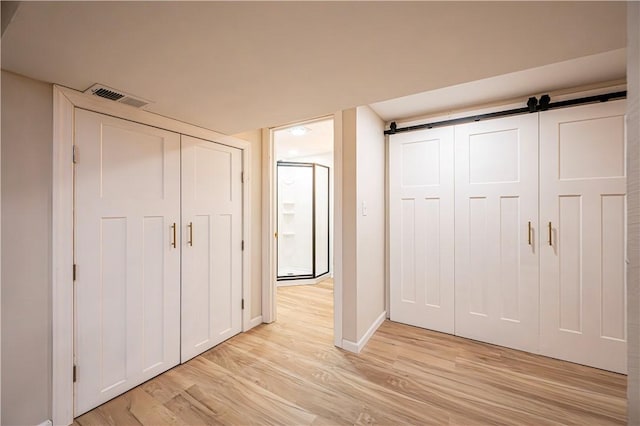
(582, 196)
(496, 258)
(66, 103)
(128, 279)
(421, 220)
(211, 244)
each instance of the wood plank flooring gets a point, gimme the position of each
(290, 373)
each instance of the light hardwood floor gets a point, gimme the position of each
(290, 373)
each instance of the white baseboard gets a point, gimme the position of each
(255, 322)
(46, 423)
(350, 346)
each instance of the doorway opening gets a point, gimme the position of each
(301, 185)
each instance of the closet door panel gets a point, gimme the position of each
(421, 228)
(226, 302)
(211, 244)
(127, 197)
(496, 261)
(582, 196)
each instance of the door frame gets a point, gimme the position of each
(270, 217)
(65, 101)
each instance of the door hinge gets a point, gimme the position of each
(242, 303)
(75, 271)
(242, 245)
(75, 154)
(75, 374)
(242, 177)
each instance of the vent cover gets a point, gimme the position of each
(116, 95)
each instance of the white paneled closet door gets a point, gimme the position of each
(582, 246)
(421, 210)
(127, 201)
(212, 244)
(496, 184)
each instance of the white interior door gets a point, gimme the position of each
(421, 212)
(496, 258)
(128, 276)
(582, 261)
(212, 244)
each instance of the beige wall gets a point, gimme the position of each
(255, 138)
(371, 236)
(27, 131)
(633, 191)
(363, 237)
(349, 276)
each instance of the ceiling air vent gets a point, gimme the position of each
(116, 95)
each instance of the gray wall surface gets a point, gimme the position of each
(27, 129)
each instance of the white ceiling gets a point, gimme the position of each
(236, 66)
(318, 140)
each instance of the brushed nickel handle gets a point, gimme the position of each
(190, 226)
(550, 234)
(529, 235)
(173, 242)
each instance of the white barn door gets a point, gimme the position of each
(128, 275)
(421, 228)
(582, 252)
(211, 244)
(496, 241)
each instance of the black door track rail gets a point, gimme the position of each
(533, 105)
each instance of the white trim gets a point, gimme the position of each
(64, 103)
(337, 230)
(268, 231)
(62, 259)
(246, 236)
(254, 322)
(46, 423)
(387, 232)
(0, 267)
(350, 346)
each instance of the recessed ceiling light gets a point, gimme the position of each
(299, 130)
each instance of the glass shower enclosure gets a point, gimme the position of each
(303, 220)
